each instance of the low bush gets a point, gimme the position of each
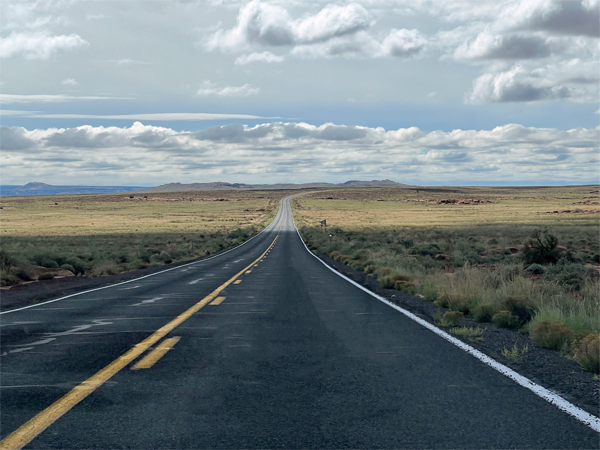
(521, 307)
(535, 269)
(45, 276)
(451, 319)
(7, 279)
(587, 353)
(24, 274)
(396, 281)
(570, 276)
(551, 334)
(68, 267)
(475, 333)
(7, 261)
(515, 354)
(484, 312)
(505, 319)
(369, 268)
(424, 250)
(79, 267)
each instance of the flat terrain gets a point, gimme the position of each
(183, 212)
(109, 234)
(262, 347)
(358, 209)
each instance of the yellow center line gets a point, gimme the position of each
(247, 271)
(151, 358)
(237, 281)
(217, 301)
(32, 428)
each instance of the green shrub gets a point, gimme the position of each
(484, 312)
(45, 276)
(425, 250)
(475, 333)
(7, 278)
(6, 261)
(47, 259)
(79, 266)
(24, 274)
(521, 307)
(551, 334)
(570, 276)
(443, 300)
(68, 267)
(504, 319)
(391, 281)
(587, 353)
(370, 268)
(541, 248)
(515, 354)
(451, 318)
(535, 269)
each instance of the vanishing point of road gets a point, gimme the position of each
(260, 347)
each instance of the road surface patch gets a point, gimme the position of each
(152, 358)
(36, 425)
(217, 301)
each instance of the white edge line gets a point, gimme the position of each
(145, 276)
(588, 419)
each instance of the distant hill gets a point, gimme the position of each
(47, 189)
(222, 185)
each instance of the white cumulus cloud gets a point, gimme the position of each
(307, 152)
(38, 45)
(210, 88)
(266, 57)
(335, 30)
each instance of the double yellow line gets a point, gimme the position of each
(28, 431)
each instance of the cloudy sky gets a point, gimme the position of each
(427, 92)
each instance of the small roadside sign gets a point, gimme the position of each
(324, 222)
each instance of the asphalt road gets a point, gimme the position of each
(291, 356)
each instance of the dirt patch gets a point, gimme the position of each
(574, 211)
(451, 201)
(545, 367)
(587, 202)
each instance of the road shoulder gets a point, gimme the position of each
(545, 367)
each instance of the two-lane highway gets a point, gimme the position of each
(261, 347)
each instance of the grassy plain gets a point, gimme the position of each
(112, 233)
(467, 248)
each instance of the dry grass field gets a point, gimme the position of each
(524, 258)
(358, 209)
(112, 233)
